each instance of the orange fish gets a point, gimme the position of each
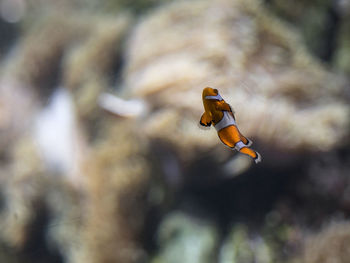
(220, 114)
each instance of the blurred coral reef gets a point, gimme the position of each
(330, 245)
(255, 60)
(186, 239)
(78, 184)
(324, 26)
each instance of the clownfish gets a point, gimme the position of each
(220, 114)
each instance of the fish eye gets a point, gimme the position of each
(216, 91)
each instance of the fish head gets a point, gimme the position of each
(211, 94)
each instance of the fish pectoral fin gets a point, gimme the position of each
(205, 120)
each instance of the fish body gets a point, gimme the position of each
(220, 114)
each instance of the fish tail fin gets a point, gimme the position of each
(252, 153)
(258, 158)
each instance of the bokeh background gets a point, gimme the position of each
(80, 184)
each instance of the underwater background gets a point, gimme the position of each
(86, 177)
